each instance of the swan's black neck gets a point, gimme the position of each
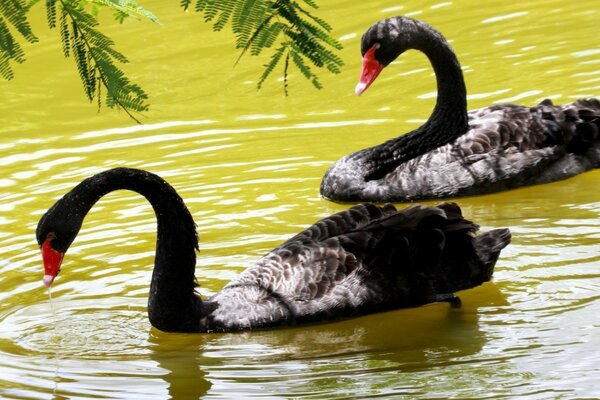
(449, 118)
(172, 304)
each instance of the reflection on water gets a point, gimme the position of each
(249, 164)
(340, 359)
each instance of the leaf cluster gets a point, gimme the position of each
(95, 56)
(93, 52)
(13, 13)
(298, 36)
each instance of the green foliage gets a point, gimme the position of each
(289, 26)
(13, 12)
(92, 51)
(95, 57)
(259, 24)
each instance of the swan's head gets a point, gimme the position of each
(383, 42)
(55, 232)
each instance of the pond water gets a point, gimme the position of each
(248, 165)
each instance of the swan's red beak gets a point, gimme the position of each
(370, 70)
(52, 261)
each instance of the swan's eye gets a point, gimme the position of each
(50, 236)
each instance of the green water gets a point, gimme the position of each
(249, 165)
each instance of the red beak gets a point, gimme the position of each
(52, 261)
(370, 70)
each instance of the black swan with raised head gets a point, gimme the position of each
(456, 153)
(359, 261)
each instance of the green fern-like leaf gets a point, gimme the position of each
(324, 24)
(200, 5)
(286, 65)
(93, 52)
(86, 72)
(263, 30)
(95, 59)
(13, 12)
(185, 4)
(65, 34)
(9, 51)
(120, 91)
(311, 3)
(260, 24)
(210, 8)
(51, 13)
(272, 64)
(305, 69)
(224, 12)
(265, 38)
(248, 17)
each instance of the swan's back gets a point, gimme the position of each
(572, 128)
(359, 261)
(507, 146)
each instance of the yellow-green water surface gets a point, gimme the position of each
(249, 165)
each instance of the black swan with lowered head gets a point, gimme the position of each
(456, 153)
(359, 261)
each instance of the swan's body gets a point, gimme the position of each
(363, 260)
(458, 153)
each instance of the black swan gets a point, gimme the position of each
(456, 153)
(359, 261)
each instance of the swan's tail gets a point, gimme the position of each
(576, 125)
(488, 246)
(587, 129)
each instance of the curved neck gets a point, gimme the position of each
(172, 303)
(450, 110)
(449, 118)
